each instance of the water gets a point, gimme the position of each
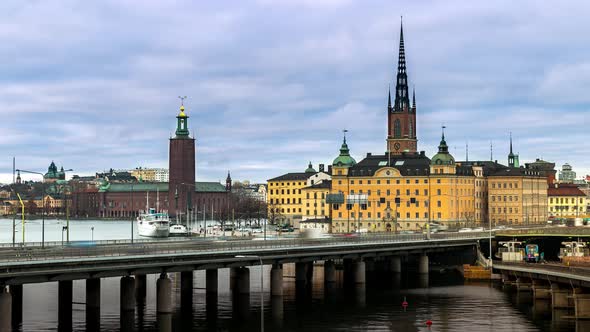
(445, 299)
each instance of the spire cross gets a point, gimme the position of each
(443, 131)
(182, 100)
(345, 131)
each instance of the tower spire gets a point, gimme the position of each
(511, 143)
(414, 97)
(389, 98)
(402, 98)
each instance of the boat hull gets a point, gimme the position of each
(148, 231)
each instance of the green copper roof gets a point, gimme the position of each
(443, 157)
(344, 159)
(157, 186)
(310, 169)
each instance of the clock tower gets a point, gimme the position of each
(401, 116)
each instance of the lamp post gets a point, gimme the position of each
(67, 208)
(132, 209)
(92, 233)
(261, 288)
(43, 203)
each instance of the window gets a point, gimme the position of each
(408, 215)
(438, 215)
(407, 192)
(351, 181)
(437, 180)
(417, 181)
(397, 129)
(417, 215)
(396, 181)
(417, 192)
(438, 192)
(388, 192)
(378, 181)
(425, 192)
(438, 204)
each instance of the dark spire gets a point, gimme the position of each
(443, 147)
(414, 97)
(402, 97)
(389, 99)
(228, 182)
(511, 157)
(511, 144)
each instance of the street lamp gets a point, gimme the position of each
(261, 288)
(92, 233)
(43, 203)
(132, 215)
(67, 209)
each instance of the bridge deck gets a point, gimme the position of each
(579, 276)
(26, 265)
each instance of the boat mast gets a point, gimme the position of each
(157, 199)
(147, 202)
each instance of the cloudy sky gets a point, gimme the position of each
(271, 84)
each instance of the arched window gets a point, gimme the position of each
(397, 129)
(411, 131)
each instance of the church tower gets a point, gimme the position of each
(181, 183)
(401, 116)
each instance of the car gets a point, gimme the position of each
(478, 229)
(257, 230)
(465, 230)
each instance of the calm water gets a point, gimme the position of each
(448, 302)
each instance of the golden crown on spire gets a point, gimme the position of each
(182, 114)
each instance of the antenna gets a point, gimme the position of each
(467, 151)
(491, 151)
(182, 100)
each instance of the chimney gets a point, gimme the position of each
(330, 169)
(321, 167)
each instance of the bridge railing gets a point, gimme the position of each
(171, 247)
(553, 267)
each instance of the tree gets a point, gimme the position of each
(31, 207)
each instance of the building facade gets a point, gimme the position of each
(566, 201)
(566, 174)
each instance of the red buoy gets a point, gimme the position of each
(404, 304)
(428, 323)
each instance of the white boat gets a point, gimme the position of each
(153, 224)
(178, 230)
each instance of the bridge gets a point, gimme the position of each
(565, 286)
(92, 261)
(544, 231)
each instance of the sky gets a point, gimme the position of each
(271, 85)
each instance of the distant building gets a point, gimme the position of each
(53, 175)
(116, 176)
(545, 168)
(150, 174)
(567, 175)
(566, 201)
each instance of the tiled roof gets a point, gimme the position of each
(159, 186)
(292, 177)
(322, 185)
(407, 163)
(564, 190)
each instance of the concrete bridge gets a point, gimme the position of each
(564, 286)
(132, 262)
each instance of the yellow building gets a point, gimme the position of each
(517, 196)
(403, 191)
(285, 195)
(314, 201)
(566, 201)
(145, 174)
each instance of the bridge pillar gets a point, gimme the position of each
(233, 277)
(17, 303)
(211, 281)
(5, 310)
(243, 281)
(140, 288)
(127, 297)
(359, 272)
(541, 290)
(582, 305)
(423, 264)
(276, 280)
(186, 288)
(348, 277)
(64, 305)
(523, 286)
(329, 272)
(93, 293)
(301, 273)
(163, 294)
(396, 264)
(559, 297)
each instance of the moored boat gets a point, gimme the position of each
(153, 224)
(178, 230)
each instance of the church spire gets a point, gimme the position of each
(414, 98)
(402, 98)
(389, 99)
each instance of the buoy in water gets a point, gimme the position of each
(428, 323)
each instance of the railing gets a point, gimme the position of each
(33, 254)
(544, 268)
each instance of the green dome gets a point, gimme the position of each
(443, 157)
(310, 169)
(344, 159)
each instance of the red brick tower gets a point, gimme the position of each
(401, 116)
(181, 185)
